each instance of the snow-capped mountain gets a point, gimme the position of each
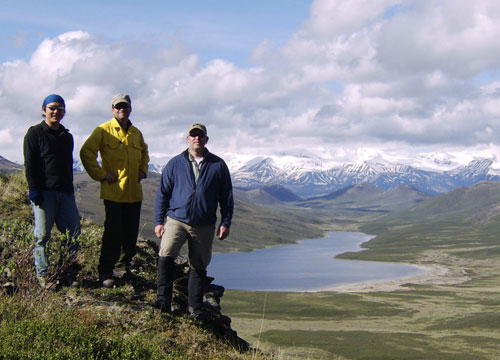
(155, 168)
(77, 165)
(308, 174)
(316, 177)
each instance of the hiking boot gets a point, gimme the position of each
(164, 306)
(107, 281)
(195, 290)
(129, 275)
(200, 316)
(73, 283)
(166, 275)
(70, 280)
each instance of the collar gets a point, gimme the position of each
(46, 127)
(118, 124)
(191, 158)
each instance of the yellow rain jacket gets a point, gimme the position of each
(122, 153)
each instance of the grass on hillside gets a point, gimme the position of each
(88, 322)
(456, 320)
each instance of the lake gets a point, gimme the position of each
(306, 266)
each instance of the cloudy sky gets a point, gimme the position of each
(339, 78)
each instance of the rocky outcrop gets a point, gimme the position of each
(214, 320)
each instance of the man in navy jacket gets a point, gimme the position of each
(193, 184)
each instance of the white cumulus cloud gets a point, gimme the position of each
(388, 76)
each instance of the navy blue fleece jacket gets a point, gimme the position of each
(181, 198)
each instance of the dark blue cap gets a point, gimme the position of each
(53, 98)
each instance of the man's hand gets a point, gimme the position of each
(35, 195)
(222, 232)
(111, 178)
(142, 175)
(159, 230)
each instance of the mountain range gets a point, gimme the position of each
(309, 178)
(307, 175)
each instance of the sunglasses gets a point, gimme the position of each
(197, 134)
(122, 106)
(54, 108)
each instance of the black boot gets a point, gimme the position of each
(166, 274)
(195, 292)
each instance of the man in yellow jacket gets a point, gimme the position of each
(124, 163)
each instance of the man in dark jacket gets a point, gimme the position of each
(48, 160)
(193, 184)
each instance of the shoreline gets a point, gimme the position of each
(433, 275)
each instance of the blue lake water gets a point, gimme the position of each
(307, 266)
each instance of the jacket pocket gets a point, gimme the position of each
(112, 143)
(136, 152)
(112, 154)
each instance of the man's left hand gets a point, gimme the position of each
(223, 232)
(142, 175)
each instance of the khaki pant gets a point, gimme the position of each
(199, 238)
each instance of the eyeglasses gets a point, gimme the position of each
(54, 108)
(120, 106)
(197, 134)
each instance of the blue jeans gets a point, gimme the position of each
(56, 207)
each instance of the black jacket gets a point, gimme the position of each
(48, 158)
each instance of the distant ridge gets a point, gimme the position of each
(267, 195)
(407, 191)
(362, 190)
(281, 193)
(479, 203)
(367, 198)
(7, 166)
(256, 196)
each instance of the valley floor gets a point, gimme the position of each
(451, 312)
(433, 275)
